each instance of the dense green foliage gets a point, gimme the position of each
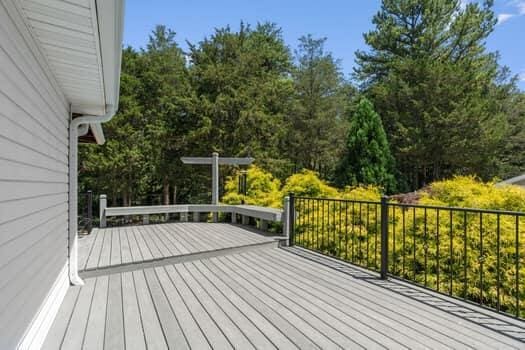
(367, 159)
(443, 98)
(445, 104)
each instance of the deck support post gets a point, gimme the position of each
(145, 219)
(103, 203)
(285, 216)
(184, 217)
(264, 225)
(196, 217)
(384, 237)
(245, 219)
(234, 217)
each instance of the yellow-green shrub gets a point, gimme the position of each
(308, 184)
(261, 189)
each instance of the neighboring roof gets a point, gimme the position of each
(516, 180)
(82, 43)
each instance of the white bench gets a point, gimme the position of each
(262, 213)
(265, 215)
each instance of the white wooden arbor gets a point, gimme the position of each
(215, 161)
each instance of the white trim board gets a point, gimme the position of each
(39, 327)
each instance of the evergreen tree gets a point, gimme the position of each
(316, 120)
(435, 86)
(242, 80)
(367, 159)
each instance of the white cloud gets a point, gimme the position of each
(520, 6)
(521, 76)
(518, 9)
(504, 17)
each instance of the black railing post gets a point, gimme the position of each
(89, 211)
(291, 220)
(384, 237)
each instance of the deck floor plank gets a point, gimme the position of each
(253, 297)
(58, 330)
(199, 314)
(126, 257)
(300, 340)
(94, 253)
(133, 328)
(370, 294)
(74, 336)
(105, 251)
(116, 247)
(245, 324)
(235, 336)
(136, 254)
(95, 329)
(114, 334)
(153, 333)
(273, 334)
(167, 316)
(191, 330)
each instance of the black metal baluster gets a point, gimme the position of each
(367, 233)
(334, 224)
(375, 236)
(317, 226)
(353, 231)
(340, 230)
(322, 225)
(346, 230)
(517, 267)
(425, 246)
(451, 259)
(481, 258)
(414, 241)
(437, 249)
(465, 254)
(360, 234)
(498, 278)
(394, 253)
(404, 240)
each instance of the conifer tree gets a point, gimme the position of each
(367, 159)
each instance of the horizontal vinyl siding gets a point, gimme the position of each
(33, 178)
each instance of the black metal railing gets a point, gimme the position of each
(85, 212)
(472, 254)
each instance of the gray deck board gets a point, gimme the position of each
(134, 335)
(95, 329)
(199, 314)
(116, 246)
(256, 299)
(114, 333)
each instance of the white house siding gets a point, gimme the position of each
(34, 117)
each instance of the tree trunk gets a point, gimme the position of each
(174, 194)
(166, 191)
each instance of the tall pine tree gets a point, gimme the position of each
(435, 86)
(367, 159)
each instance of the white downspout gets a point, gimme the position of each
(78, 126)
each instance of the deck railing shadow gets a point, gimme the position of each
(489, 319)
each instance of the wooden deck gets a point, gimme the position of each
(125, 245)
(267, 298)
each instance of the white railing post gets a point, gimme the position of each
(286, 216)
(103, 203)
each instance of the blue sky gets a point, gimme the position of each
(342, 22)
